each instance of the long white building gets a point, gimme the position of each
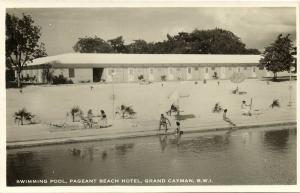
(128, 67)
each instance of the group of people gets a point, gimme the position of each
(89, 120)
(164, 122)
(246, 110)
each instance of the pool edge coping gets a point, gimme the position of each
(80, 139)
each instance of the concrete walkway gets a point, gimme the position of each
(43, 134)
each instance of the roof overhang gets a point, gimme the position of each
(80, 60)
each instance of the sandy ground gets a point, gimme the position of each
(50, 103)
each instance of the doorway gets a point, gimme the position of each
(97, 74)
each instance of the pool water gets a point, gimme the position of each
(242, 157)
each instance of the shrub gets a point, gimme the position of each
(275, 103)
(141, 77)
(84, 81)
(28, 78)
(163, 78)
(59, 79)
(70, 81)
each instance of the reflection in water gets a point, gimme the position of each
(75, 152)
(276, 140)
(19, 166)
(163, 141)
(91, 153)
(206, 143)
(104, 155)
(234, 157)
(124, 148)
(173, 139)
(83, 152)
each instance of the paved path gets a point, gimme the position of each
(42, 134)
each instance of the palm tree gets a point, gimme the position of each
(23, 114)
(74, 111)
(127, 111)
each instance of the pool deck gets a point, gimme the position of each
(43, 134)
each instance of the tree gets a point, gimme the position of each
(92, 45)
(217, 41)
(22, 114)
(278, 56)
(22, 42)
(118, 45)
(138, 47)
(294, 53)
(214, 41)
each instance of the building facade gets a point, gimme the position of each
(151, 67)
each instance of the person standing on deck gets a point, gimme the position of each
(103, 119)
(164, 122)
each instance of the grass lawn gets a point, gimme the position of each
(51, 103)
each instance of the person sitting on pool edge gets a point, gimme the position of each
(163, 122)
(90, 118)
(245, 109)
(225, 118)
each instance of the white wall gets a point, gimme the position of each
(83, 74)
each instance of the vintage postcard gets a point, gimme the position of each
(150, 97)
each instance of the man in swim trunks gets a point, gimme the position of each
(164, 122)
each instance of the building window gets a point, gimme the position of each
(212, 68)
(206, 70)
(178, 69)
(239, 70)
(245, 68)
(253, 69)
(196, 68)
(151, 70)
(189, 70)
(71, 73)
(131, 71)
(229, 68)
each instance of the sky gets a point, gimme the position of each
(61, 27)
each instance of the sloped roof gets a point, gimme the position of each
(105, 60)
